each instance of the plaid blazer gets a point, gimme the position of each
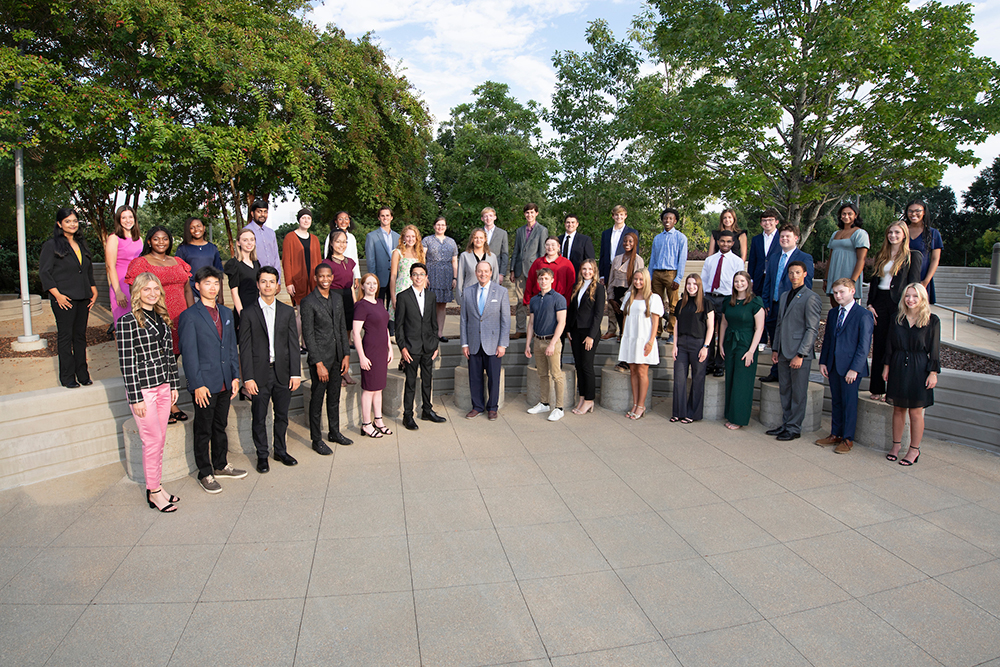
(146, 362)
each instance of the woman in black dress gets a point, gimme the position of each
(583, 326)
(727, 221)
(67, 274)
(694, 329)
(914, 355)
(242, 272)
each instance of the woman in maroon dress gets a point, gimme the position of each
(374, 353)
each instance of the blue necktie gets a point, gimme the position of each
(777, 278)
(840, 320)
(482, 299)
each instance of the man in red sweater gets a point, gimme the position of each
(562, 269)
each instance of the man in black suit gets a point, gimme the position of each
(272, 364)
(212, 366)
(417, 337)
(612, 246)
(575, 247)
(325, 333)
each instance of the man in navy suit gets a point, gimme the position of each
(379, 244)
(611, 247)
(485, 335)
(762, 247)
(776, 281)
(844, 361)
(212, 366)
(575, 247)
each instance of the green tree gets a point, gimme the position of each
(802, 104)
(489, 153)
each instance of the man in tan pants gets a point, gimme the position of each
(546, 322)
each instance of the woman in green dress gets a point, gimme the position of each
(741, 329)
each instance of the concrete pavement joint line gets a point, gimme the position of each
(406, 532)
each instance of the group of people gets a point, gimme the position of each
(167, 306)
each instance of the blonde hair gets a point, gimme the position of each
(647, 290)
(699, 298)
(160, 307)
(418, 247)
(592, 288)
(619, 209)
(733, 300)
(239, 250)
(923, 308)
(885, 252)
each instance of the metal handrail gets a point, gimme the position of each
(972, 318)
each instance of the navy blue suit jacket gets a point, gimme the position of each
(767, 294)
(209, 361)
(757, 262)
(848, 350)
(607, 256)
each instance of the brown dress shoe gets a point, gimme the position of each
(492, 415)
(843, 447)
(472, 414)
(519, 334)
(829, 440)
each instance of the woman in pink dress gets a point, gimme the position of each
(119, 250)
(175, 276)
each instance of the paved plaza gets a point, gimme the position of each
(592, 541)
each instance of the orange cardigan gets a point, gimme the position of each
(293, 264)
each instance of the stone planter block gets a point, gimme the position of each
(569, 396)
(350, 406)
(616, 390)
(463, 397)
(874, 427)
(770, 407)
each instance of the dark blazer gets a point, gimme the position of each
(767, 294)
(74, 279)
(899, 281)
(798, 324)
(254, 355)
(847, 350)
(588, 314)
(582, 248)
(757, 262)
(209, 361)
(419, 335)
(324, 329)
(607, 255)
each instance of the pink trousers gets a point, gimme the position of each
(153, 432)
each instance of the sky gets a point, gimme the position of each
(445, 48)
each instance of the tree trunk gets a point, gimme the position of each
(229, 229)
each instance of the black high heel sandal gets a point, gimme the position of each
(382, 429)
(169, 507)
(904, 462)
(893, 457)
(375, 433)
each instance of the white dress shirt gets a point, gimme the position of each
(420, 300)
(583, 289)
(568, 244)
(489, 233)
(269, 311)
(616, 236)
(731, 265)
(768, 239)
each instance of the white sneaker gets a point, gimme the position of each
(538, 409)
(556, 415)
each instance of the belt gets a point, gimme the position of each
(544, 337)
(718, 294)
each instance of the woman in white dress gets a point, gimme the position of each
(643, 311)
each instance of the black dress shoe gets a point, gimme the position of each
(262, 466)
(788, 435)
(72, 385)
(286, 458)
(775, 431)
(770, 377)
(320, 448)
(339, 438)
(431, 416)
(719, 372)
(87, 383)
(409, 423)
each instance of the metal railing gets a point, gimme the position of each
(970, 291)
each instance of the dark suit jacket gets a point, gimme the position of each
(324, 329)
(767, 294)
(416, 333)
(582, 248)
(209, 361)
(588, 314)
(74, 279)
(899, 281)
(848, 350)
(798, 324)
(254, 355)
(607, 254)
(757, 262)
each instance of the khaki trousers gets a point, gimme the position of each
(663, 286)
(549, 368)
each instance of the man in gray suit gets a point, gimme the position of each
(529, 245)
(798, 323)
(485, 335)
(496, 239)
(379, 244)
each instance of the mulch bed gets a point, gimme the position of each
(95, 336)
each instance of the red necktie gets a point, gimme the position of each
(718, 275)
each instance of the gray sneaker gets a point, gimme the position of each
(230, 472)
(210, 485)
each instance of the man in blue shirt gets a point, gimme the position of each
(267, 240)
(546, 322)
(666, 264)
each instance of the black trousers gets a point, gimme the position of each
(584, 361)
(210, 433)
(348, 300)
(770, 326)
(71, 340)
(384, 296)
(270, 391)
(331, 390)
(687, 405)
(714, 359)
(618, 293)
(479, 362)
(885, 311)
(426, 366)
